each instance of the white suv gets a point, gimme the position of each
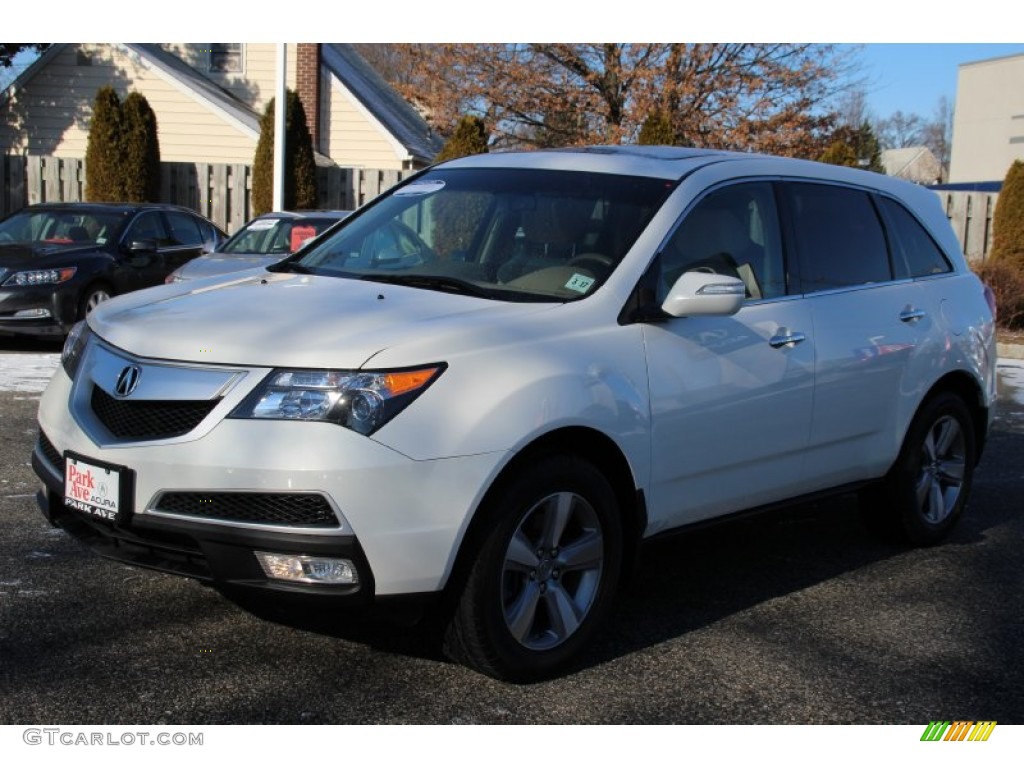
(489, 386)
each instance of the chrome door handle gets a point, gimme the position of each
(912, 315)
(786, 339)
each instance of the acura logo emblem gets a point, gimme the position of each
(127, 380)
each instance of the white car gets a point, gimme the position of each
(263, 241)
(488, 388)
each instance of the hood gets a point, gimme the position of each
(16, 256)
(214, 264)
(287, 320)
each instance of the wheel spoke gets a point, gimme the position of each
(952, 471)
(936, 502)
(521, 554)
(583, 554)
(521, 615)
(929, 447)
(559, 510)
(561, 611)
(948, 432)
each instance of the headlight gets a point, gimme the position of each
(74, 347)
(362, 401)
(41, 276)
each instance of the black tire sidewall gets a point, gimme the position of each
(903, 482)
(487, 642)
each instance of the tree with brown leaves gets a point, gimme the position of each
(755, 97)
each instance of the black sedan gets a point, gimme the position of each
(58, 261)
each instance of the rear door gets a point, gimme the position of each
(869, 327)
(186, 240)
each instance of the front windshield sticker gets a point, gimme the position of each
(424, 187)
(579, 283)
(260, 224)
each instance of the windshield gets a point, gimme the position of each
(61, 227)
(518, 235)
(276, 235)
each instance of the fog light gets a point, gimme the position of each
(308, 569)
(33, 313)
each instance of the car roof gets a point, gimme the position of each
(675, 163)
(305, 214)
(111, 207)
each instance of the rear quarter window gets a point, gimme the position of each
(915, 254)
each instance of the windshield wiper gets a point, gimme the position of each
(432, 282)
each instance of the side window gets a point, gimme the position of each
(733, 231)
(147, 226)
(915, 254)
(184, 230)
(839, 239)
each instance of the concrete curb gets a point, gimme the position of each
(1013, 351)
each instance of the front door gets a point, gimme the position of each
(731, 397)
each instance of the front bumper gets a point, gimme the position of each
(217, 554)
(58, 301)
(399, 521)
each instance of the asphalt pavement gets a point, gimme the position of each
(793, 617)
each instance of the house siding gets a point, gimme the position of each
(52, 113)
(255, 85)
(354, 139)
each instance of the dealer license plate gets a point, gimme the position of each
(95, 488)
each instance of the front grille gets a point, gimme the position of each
(149, 419)
(50, 453)
(310, 509)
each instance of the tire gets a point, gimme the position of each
(93, 296)
(545, 576)
(925, 492)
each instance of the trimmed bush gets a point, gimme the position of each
(470, 138)
(657, 130)
(103, 149)
(1008, 220)
(140, 157)
(299, 164)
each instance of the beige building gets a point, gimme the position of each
(208, 99)
(988, 122)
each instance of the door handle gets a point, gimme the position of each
(786, 339)
(909, 315)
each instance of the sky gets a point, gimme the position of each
(913, 77)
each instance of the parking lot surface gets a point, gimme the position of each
(793, 617)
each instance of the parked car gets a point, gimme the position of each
(263, 241)
(488, 388)
(58, 261)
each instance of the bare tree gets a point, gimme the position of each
(937, 134)
(900, 130)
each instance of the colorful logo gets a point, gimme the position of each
(958, 730)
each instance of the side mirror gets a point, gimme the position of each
(142, 246)
(704, 293)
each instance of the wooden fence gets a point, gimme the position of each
(970, 213)
(221, 192)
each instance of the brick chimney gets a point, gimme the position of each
(307, 82)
